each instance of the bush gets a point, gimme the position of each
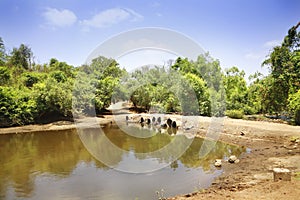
(297, 117)
(30, 79)
(5, 75)
(294, 106)
(235, 114)
(16, 107)
(249, 110)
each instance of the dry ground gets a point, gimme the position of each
(252, 177)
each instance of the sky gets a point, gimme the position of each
(236, 32)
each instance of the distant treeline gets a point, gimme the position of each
(35, 93)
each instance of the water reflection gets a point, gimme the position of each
(32, 165)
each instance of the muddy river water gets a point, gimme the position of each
(107, 164)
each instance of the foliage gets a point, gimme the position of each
(95, 85)
(153, 89)
(201, 92)
(294, 106)
(30, 93)
(2, 52)
(235, 114)
(210, 71)
(284, 78)
(53, 97)
(30, 78)
(21, 57)
(5, 75)
(254, 94)
(236, 89)
(16, 107)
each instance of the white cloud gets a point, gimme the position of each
(134, 15)
(110, 17)
(272, 43)
(59, 18)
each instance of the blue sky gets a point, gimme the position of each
(237, 32)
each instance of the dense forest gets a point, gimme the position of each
(39, 93)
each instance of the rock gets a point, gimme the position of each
(159, 120)
(148, 121)
(142, 120)
(153, 119)
(297, 141)
(174, 125)
(281, 174)
(242, 133)
(169, 122)
(127, 118)
(218, 163)
(232, 159)
(164, 126)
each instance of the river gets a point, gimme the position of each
(107, 164)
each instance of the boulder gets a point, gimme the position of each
(169, 122)
(159, 120)
(142, 120)
(153, 119)
(281, 174)
(148, 121)
(233, 159)
(218, 163)
(174, 125)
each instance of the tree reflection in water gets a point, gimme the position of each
(24, 157)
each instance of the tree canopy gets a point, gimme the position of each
(34, 93)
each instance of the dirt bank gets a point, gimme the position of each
(60, 125)
(252, 178)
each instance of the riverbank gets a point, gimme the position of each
(59, 125)
(251, 178)
(272, 145)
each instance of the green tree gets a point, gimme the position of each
(2, 53)
(21, 57)
(53, 98)
(101, 79)
(285, 73)
(236, 89)
(255, 93)
(201, 92)
(210, 71)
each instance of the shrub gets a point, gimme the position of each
(235, 114)
(16, 107)
(248, 110)
(30, 79)
(5, 75)
(294, 106)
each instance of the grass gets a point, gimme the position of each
(235, 114)
(297, 176)
(294, 138)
